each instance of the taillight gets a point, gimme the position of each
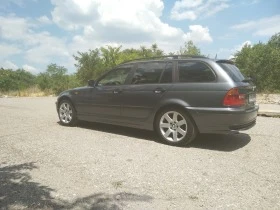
(234, 98)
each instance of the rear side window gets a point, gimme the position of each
(232, 71)
(152, 72)
(195, 71)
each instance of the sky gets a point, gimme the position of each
(36, 33)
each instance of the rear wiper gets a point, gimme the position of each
(247, 79)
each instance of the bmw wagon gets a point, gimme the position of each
(176, 96)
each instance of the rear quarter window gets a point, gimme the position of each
(232, 71)
(195, 71)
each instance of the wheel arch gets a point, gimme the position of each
(65, 97)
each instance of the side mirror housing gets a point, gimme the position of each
(91, 83)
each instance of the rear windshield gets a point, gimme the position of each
(232, 71)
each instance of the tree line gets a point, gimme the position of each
(260, 61)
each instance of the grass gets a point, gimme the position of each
(29, 92)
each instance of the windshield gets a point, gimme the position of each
(232, 71)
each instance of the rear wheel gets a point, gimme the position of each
(175, 127)
(67, 113)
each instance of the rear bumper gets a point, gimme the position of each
(223, 120)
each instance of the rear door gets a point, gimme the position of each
(149, 83)
(245, 86)
(196, 84)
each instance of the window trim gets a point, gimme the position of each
(177, 79)
(172, 71)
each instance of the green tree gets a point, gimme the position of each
(111, 56)
(89, 65)
(129, 54)
(275, 41)
(156, 51)
(55, 79)
(73, 81)
(189, 49)
(153, 51)
(262, 62)
(15, 80)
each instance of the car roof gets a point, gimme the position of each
(176, 57)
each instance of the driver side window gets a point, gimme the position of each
(116, 77)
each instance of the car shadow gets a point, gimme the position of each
(221, 142)
(120, 130)
(218, 142)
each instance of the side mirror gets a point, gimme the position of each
(91, 83)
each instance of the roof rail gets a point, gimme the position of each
(166, 56)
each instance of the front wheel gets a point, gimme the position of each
(67, 113)
(175, 127)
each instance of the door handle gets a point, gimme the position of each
(159, 90)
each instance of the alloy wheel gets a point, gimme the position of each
(173, 126)
(65, 112)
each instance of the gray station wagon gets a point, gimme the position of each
(177, 96)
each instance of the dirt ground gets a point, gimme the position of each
(268, 98)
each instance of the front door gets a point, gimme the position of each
(106, 96)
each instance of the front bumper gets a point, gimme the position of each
(223, 120)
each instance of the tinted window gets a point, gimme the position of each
(194, 71)
(166, 76)
(116, 77)
(148, 73)
(232, 71)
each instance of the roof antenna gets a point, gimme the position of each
(216, 56)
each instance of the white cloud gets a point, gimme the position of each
(6, 64)
(13, 28)
(7, 50)
(39, 47)
(29, 68)
(262, 27)
(239, 47)
(45, 49)
(44, 20)
(77, 14)
(198, 33)
(191, 10)
(124, 22)
(229, 53)
(91, 24)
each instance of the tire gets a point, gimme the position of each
(67, 113)
(175, 127)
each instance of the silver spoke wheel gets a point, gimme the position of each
(65, 112)
(173, 126)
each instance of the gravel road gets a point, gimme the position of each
(44, 165)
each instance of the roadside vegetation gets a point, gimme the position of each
(261, 62)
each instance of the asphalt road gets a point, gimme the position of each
(93, 166)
